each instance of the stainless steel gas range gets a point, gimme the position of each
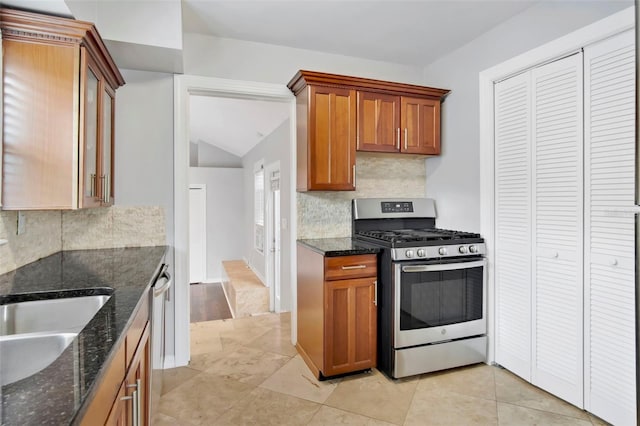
(431, 290)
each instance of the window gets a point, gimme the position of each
(258, 205)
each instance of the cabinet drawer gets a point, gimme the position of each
(137, 328)
(344, 267)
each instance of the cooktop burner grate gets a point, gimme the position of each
(418, 235)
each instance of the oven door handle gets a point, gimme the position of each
(442, 267)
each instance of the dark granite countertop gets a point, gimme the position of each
(59, 394)
(333, 247)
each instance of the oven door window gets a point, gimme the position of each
(440, 297)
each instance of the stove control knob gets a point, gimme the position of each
(422, 253)
(409, 253)
(442, 251)
(462, 249)
(473, 249)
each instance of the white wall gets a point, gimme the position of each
(453, 178)
(135, 22)
(225, 215)
(144, 150)
(274, 147)
(212, 156)
(244, 60)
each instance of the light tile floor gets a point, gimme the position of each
(246, 372)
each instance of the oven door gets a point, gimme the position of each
(438, 302)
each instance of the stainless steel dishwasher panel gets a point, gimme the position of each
(159, 296)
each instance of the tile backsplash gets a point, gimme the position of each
(328, 214)
(42, 237)
(47, 232)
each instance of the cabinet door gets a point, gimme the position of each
(420, 125)
(89, 121)
(138, 380)
(39, 135)
(610, 353)
(350, 325)
(378, 122)
(107, 143)
(332, 139)
(119, 411)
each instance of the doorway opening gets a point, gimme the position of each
(275, 268)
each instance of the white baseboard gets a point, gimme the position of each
(169, 362)
(212, 280)
(258, 274)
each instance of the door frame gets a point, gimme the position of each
(203, 187)
(184, 86)
(273, 268)
(556, 49)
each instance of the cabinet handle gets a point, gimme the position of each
(92, 192)
(375, 293)
(105, 189)
(353, 169)
(345, 268)
(138, 403)
(102, 179)
(405, 138)
(136, 408)
(398, 138)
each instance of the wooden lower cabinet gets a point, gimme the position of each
(137, 386)
(350, 325)
(337, 312)
(130, 405)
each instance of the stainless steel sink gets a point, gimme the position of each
(68, 315)
(25, 354)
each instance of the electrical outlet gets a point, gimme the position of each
(21, 223)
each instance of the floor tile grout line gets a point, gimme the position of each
(568, 416)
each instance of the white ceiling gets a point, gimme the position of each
(407, 32)
(234, 125)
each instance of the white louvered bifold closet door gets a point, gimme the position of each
(557, 139)
(513, 224)
(610, 390)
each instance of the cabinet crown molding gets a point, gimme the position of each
(303, 78)
(39, 28)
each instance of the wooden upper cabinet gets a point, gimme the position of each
(327, 139)
(58, 106)
(421, 126)
(337, 115)
(378, 122)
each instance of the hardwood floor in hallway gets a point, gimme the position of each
(208, 302)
